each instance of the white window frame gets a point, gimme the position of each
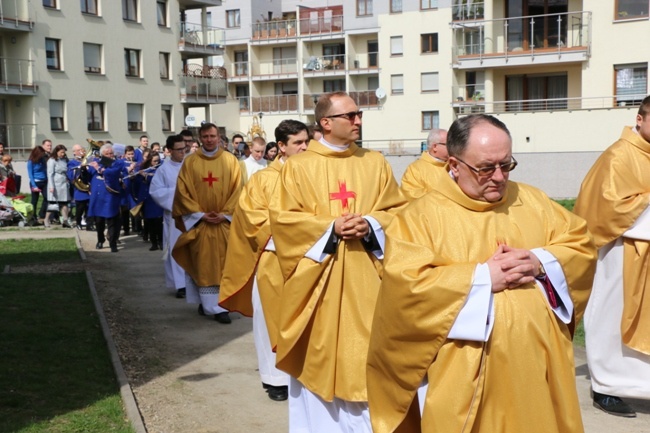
(57, 115)
(430, 120)
(426, 5)
(130, 10)
(396, 46)
(163, 59)
(53, 54)
(397, 84)
(131, 64)
(429, 82)
(92, 58)
(630, 83)
(135, 117)
(167, 115)
(87, 7)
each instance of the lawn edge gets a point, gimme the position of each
(130, 403)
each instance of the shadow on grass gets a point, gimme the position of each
(56, 370)
(17, 252)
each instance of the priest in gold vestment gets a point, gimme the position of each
(327, 220)
(484, 281)
(252, 281)
(423, 175)
(614, 200)
(207, 191)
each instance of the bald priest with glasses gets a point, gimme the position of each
(484, 280)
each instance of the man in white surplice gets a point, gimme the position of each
(162, 191)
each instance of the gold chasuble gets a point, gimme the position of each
(205, 184)
(423, 176)
(249, 234)
(327, 308)
(613, 195)
(521, 379)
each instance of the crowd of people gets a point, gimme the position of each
(374, 302)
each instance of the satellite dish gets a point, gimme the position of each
(219, 61)
(380, 93)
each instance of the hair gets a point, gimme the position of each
(149, 161)
(644, 108)
(287, 128)
(434, 136)
(45, 141)
(6, 157)
(237, 135)
(259, 140)
(55, 152)
(104, 148)
(172, 140)
(224, 138)
(37, 154)
(271, 145)
(206, 126)
(129, 148)
(324, 105)
(143, 136)
(186, 133)
(459, 131)
(154, 143)
(146, 153)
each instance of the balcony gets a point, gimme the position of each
(239, 72)
(203, 85)
(18, 138)
(365, 98)
(17, 77)
(274, 104)
(462, 10)
(196, 39)
(16, 15)
(244, 104)
(325, 65)
(540, 105)
(322, 25)
(273, 30)
(275, 69)
(364, 63)
(522, 41)
(195, 4)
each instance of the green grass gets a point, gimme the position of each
(567, 204)
(579, 335)
(56, 371)
(16, 252)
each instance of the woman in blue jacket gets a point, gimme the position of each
(37, 170)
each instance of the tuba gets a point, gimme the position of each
(91, 151)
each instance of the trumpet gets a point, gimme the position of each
(93, 149)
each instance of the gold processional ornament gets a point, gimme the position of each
(256, 130)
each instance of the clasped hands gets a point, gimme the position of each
(351, 226)
(213, 217)
(512, 267)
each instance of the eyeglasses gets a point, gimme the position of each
(350, 116)
(489, 171)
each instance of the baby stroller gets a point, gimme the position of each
(14, 211)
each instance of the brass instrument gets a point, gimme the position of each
(93, 150)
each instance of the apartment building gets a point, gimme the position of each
(564, 75)
(103, 69)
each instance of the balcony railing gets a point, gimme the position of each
(470, 92)
(325, 63)
(365, 98)
(198, 37)
(16, 75)
(462, 10)
(239, 69)
(200, 83)
(363, 61)
(275, 29)
(276, 67)
(244, 103)
(16, 14)
(522, 36)
(321, 25)
(274, 104)
(18, 138)
(555, 104)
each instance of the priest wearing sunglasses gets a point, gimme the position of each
(484, 281)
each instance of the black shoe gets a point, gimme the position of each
(266, 386)
(278, 393)
(145, 238)
(99, 245)
(201, 312)
(90, 228)
(613, 405)
(180, 293)
(114, 249)
(223, 318)
(119, 242)
(153, 248)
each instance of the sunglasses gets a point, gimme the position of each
(350, 116)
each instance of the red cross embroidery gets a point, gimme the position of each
(210, 179)
(343, 194)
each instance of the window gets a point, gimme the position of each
(364, 8)
(429, 82)
(631, 83)
(233, 18)
(50, 4)
(430, 120)
(241, 63)
(57, 110)
(89, 7)
(397, 84)
(241, 93)
(53, 54)
(626, 9)
(134, 117)
(95, 116)
(429, 43)
(333, 86)
(164, 65)
(166, 117)
(130, 10)
(396, 48)
(428, 4)
(161, 7)
(534, 92)
(131, 62)
(395, 6)
(92, 58)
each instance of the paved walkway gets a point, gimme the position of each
(210, 369)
